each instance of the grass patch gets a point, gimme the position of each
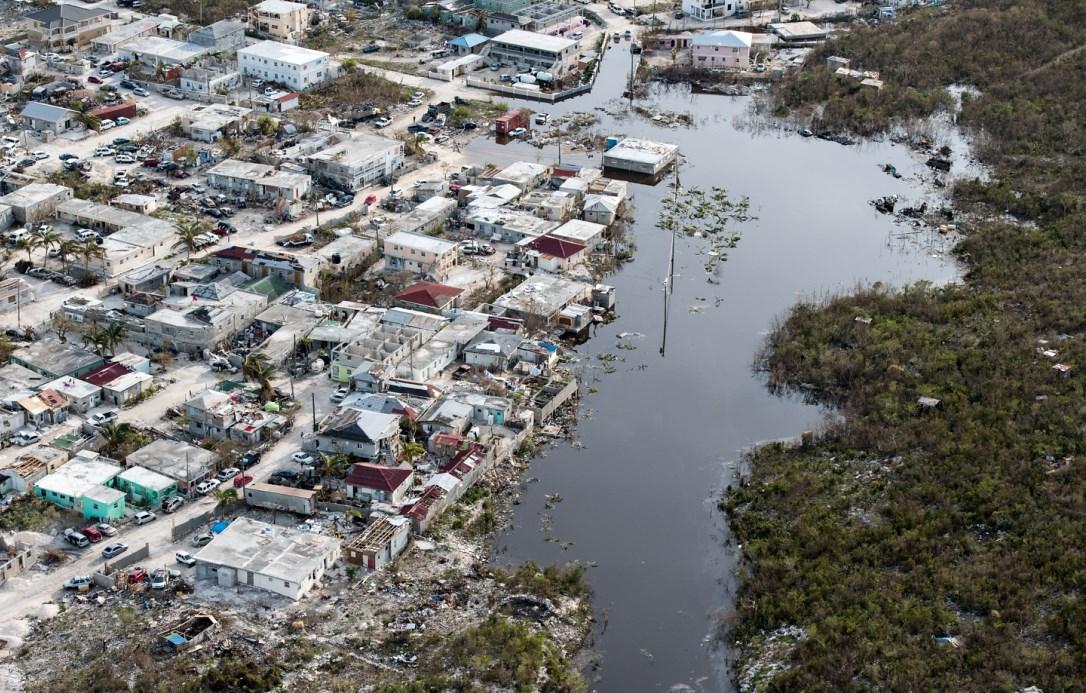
(30, 513)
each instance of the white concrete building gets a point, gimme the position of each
(278, 559)
(258, 180)
(708, 10)
(540, 52)
(281, 19)
(357, 160)
(413, 252)
(296, 67)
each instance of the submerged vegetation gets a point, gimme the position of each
(932, 540)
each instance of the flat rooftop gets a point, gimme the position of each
(530, 39)
(283, 52)
(358, 148)
(174, 459)
(32, 194)
(278, 552)
(642, 151)
(145, 478)
(417, 241)
(78, 476)
(164, 48)
(55, 357)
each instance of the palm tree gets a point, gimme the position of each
(29, 244)
(66, 248)
(225, 496)
(115, 435)
(113, 335)
(335, 466)
(411, 450)
(257, 368)
(46, 238)
(96, 339)
(90, 250)
(84, 116)
(187, 231)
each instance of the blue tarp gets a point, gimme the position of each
(176, 639)
(219, 526)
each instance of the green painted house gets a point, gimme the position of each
(84, 484)
(103, 503)
(145, 487)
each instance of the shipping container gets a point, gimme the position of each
(511, 121)
(272, 497)
(126, 110)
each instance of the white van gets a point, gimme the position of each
(17, 235)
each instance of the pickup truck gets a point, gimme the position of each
(298, 240)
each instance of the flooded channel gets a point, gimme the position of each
(658, 436)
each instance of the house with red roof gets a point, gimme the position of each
(378, 483)
(553, 254)
(430, 297)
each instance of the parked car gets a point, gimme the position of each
(106, 529)
(206, 486)
(64, 279)
(122, 121)
(304, 458)
(518, 132)
(340, 394)
(160, 580)
(201, 540)
(227, 474)
(137, 574)
(105, 151)
(372, 48)
(250, 458)
(174, 94)
(185, 558)
(24, 438)
(140, 91)
(77, 582)
(242, 480)
(94, 79)
(76, 539)
(128, 84)
(115, 549)
(414, 103)
(106, 124)
(109, 415)
(257, 83)
(284, 477)
(92, 533)
(144, 517)
(124, 159)
(172, 503)
(383, 121)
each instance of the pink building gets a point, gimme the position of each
(717, 50)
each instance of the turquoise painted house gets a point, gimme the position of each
(103, 503)
(84, 484)
(145, 487)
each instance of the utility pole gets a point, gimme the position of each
(313, 401)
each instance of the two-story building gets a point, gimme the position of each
(361, 433)
(427, 255)
(280, 19)
(66, 25)
(258, 180)
(298, 68)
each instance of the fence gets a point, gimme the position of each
(522, 93)
(131, 558)
(17, 564)
(190, 525)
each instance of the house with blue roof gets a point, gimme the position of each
(468, 43)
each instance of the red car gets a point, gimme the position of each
(371, 199)
(92, 533)
(241, 480)
(94, 79)
(137, 574)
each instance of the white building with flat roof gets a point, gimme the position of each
(278, 559)
(541, 52)
(356, 161)
(413, 252)
(258, 180)
(156, 50)
(281, 19)
(296, 67)
(640, 156)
